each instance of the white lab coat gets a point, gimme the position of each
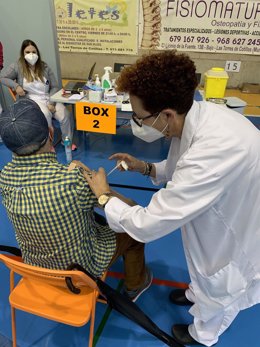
(213, 193)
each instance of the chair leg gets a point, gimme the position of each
(13, 309)
(13, 326)
(92, 320)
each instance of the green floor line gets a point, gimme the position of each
(105, 318)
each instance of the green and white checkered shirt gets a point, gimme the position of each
(52, 213)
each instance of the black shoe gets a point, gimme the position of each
(181, 334)
(177, 297)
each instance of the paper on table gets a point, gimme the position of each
(76, 97)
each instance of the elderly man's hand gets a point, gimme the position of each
(77, 163)
(97, 181)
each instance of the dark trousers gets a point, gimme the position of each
(132, 252)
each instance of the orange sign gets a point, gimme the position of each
(97, 118)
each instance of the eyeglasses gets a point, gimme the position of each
(139, 121)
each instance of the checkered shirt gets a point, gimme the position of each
(52, 213)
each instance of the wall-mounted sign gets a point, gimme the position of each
(97, 118)
(201, 25)
(97, 26)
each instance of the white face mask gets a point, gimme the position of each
(31, 58)
(147, 133)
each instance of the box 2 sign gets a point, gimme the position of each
(97, 118)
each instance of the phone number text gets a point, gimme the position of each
(219, 40)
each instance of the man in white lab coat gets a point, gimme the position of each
(212, 176)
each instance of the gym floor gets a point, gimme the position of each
(165, 257)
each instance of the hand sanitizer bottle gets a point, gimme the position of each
(68, 151)
(105, 80)
(97, 81)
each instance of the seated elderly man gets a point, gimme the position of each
(52, 208)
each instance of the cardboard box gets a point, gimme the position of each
(250, 88)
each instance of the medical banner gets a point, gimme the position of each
(97, 26)
(201, 25)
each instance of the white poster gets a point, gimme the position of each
(201, 25)
(97, 26)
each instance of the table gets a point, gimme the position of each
(57, 97)
(252, 110)
(252, 100)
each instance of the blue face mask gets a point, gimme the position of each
(147, 133)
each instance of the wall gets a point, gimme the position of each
(34, 19)
(77, 65)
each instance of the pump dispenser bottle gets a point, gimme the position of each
(97, 81)
(105, 80)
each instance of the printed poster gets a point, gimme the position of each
(96, 26)
(201, 25)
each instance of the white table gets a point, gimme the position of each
(58, 97)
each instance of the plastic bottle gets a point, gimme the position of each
(97, 81)
(68, 151)
(105, 80)
(113, 82)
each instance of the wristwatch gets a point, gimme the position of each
(103, 199)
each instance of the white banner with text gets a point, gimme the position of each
(96, 26)
(201, 25)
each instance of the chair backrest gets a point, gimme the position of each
(53, 277)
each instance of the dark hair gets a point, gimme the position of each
(161, 80)
(30, 149)
(39, 66)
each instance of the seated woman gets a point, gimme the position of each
(32, 78)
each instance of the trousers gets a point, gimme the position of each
(132, 252)
(62, 115)
(208, 332)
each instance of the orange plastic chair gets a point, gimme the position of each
(12, 93)
(44, 293)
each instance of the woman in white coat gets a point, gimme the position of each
(212, 191)
(32, 78)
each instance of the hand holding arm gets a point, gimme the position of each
(79, 164)
(88, 174)
(98, 184)
(97, 181)
(19, 91)
(51, 108)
